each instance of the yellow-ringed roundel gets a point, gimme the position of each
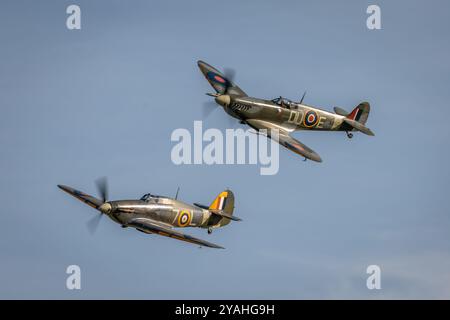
(311, 119)
(184, 218)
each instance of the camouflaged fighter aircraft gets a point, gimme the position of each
(159, 214)
(282, 114)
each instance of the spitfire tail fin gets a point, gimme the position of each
(358, 117)
(360, 113)
(224, 202)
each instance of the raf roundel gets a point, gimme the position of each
(219, 79)
(184, 218)
(311, 119)
(216, 78)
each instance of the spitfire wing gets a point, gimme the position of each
(298, 147)
(218, 80)
(150, 226)
(284, 138)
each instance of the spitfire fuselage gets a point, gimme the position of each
(291, 116)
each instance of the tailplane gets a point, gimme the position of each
(357, 119)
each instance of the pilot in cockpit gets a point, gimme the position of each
(148, 197)
(282, 102)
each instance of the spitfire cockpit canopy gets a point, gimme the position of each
(283, 102)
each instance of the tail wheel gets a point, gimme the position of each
(349, 135)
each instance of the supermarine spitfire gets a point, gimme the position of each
(159, 214)
(279, 117)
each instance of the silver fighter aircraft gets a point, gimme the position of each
(280, 116)
(159, 214)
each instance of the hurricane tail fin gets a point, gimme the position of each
(224, 202)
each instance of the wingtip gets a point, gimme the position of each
(212, 245)
(316, 158)
(215, 246)
(204, 66)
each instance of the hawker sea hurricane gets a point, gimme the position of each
(279, 117)
(159, 214)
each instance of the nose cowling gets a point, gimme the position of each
(224, 100)
(105, 208)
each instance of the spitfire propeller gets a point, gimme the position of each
(221, 98)
(229, 76)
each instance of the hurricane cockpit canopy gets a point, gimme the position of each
(151, 197)
(283, 102)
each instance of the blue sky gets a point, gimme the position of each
(103, 101)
